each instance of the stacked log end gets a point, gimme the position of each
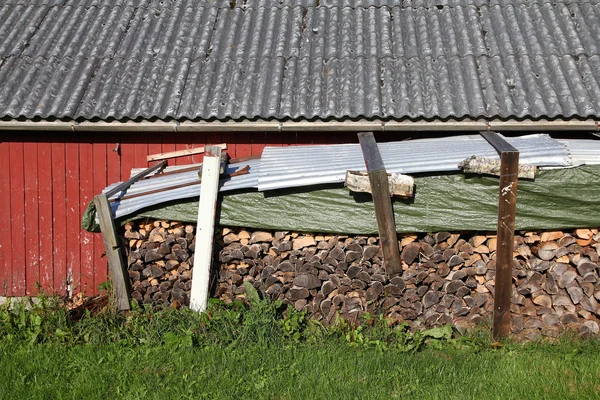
(160, 257)
(446, 277)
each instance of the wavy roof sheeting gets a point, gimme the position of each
(298, 59)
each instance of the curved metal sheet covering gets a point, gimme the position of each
(284, 167)
(583, 152)
(128, 206)
(298, 59)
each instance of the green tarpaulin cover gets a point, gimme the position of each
(557, 199)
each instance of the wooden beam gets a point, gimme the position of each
(205, 228)
(383, 203)
(507, 211)
(181, 153)
(118, 269)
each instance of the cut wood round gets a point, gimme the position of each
(583, 233)
(546, 251)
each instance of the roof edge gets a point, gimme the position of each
(304, 126)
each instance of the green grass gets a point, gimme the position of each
(263, 351)
(303, 371)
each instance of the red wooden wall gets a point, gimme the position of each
(48, 178)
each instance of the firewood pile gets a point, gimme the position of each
(446, 278)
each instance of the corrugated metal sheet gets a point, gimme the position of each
(285, 167)
(583, 151)
(292, 59)
(128, 206)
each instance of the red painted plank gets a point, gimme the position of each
(86, 193)
(32, 227)
(198, 139)
(289, 139)
(73, 216)
(140, 150)
(243, 142)
(319, 138)
(182, 139)
(273, 139)
(229, 138)
(45, 165)
(113, 162)
(168, 143)
(17, 206)
(127, 159)
(113, 158)
(336, 138)
(259, 140)
(5, 215)
(154, 145)
(59, 213)
(100, 168)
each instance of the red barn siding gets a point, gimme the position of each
(48, 179)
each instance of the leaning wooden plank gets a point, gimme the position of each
(205, 228)
(181, 153)
(384, 212)
(125, 185)
(399, 185)
(492, 166)
(118, 270)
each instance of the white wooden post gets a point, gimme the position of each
(207, 207)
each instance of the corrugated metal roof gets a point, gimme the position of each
(284, 167)
(434, 3)
(128, 206)
(293, 59)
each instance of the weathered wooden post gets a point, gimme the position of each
(112, 248)
(383, 204)
(116, 264)
(207, 207)
(507, 210)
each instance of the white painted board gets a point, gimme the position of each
(205, 228)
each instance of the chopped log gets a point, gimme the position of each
(583, 233)
(491, 166)
(546, 251)
(399, 185)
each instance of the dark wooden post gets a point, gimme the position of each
(384, 212)
(507, 210)
(118, 270)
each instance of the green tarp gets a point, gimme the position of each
(557, 199)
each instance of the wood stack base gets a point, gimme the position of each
(446, 277)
